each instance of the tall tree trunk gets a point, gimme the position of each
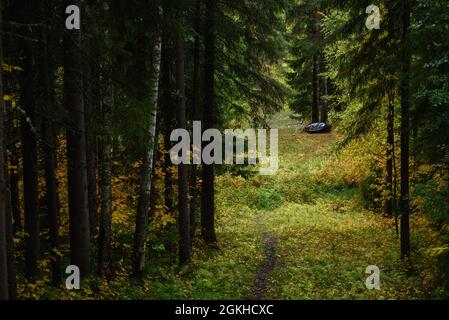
(167, 114)
(208, 191)
(91, 153)
(47, 82)
(14, 188)
(183, 186)
(11, 257)
(143, 204)
(323, 108)
(195, 115)
(104, 241)
(157, 154)
(168, 176)
(76, 151)
(91, 141)
(52, 199)
(405, 132)
(29, 153)
(316, 70)
(388, 205)
(11, 131)
(4, 294)
(316, 91)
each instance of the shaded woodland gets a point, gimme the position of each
(86, 177)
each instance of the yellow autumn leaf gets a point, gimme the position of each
(10, 68)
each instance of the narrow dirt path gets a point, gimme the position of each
(260, 286)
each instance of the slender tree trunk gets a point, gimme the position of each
(104, 244)
(52, 199)
(316, 94)
(76, 151)
(91, 141)
(388, 205)
(47, 82)
(11, 257)
(195, 115)
(14, 186)
(405, 132)
(168, 176)
(167, 113)
(208, 191)
(4, 294)
(13, 174)
(91, 153)
(183, 186)
(154, 199)
(316, 70)
(29, 153)
(143, 205)
(192, 202)
(323, 109)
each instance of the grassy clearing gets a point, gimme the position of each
(325, 239)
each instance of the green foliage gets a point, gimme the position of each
(268, 199)
(250, 45)
(323, 204)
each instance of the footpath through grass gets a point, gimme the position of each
(301, 234)
(325, 238)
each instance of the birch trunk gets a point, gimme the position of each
(143, 204)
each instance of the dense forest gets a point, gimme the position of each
(91, 91)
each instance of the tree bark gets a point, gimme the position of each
(157, 154)
(4, 293)
(167, 114)
(14, 185)
(183, 186)
(91, 156)
(11, 257)
(47, 82)
(91, 137)
(11, 174)
(52, 200)
(143, 204)
(76, 151)
(29, 127)
(323, 108)
(405, 133)
(388, 205)
(195, 115)
(208, 191)
(104, 241)
(316, 70)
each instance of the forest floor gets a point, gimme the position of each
(303, 233)
(300, 235)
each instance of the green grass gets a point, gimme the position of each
(325, 240)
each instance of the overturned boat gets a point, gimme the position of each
(318, 127)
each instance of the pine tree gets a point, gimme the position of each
(3, 246)
(405, 132)
(209, 116)
(76, 150)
